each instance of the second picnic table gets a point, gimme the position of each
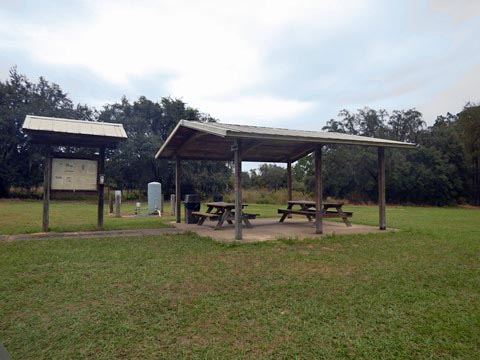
(222, 211)
(307, 208)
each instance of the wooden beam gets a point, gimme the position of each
(101, 185)
(301, 151)
(381, 189)
(237, 159)
(178, 171)
(190, 140)
(77, 140)
(247, 148)
(47, 178)
(318, 190)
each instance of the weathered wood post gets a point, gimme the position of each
(101, 185)
(318, 190)
(47, 178)
(177, 189)
(289, 183)
(381, 189)
(237, 160)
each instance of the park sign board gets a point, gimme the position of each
(74, 174)
(80, 174)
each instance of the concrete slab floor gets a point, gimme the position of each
(270, 229)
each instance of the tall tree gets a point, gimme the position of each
(432, 174)
(148, 125)
(271, 177)
(20, 161)
(468, 125)
(404, 125)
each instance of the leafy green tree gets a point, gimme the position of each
(366, 122)
(20, 161)
(468, 126)
(148, 125)
(444, 169)
(271, 177)
(405, 125)
(431, 174)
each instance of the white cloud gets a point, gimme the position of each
(210, 49)
(196, 40)
(460, 10)
(255, 110)
(217, 55)
(454, 96)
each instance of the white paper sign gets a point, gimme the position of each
(74, 174)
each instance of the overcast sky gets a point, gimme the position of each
(274, 63)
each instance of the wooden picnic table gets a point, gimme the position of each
(222, 211)
(307, 208)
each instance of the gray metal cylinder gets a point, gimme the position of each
(154, 196)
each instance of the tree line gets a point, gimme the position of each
(444, 169)
(130, 166)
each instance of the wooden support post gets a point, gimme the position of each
(236, 148)
(318, 190)
(381, 189)
(178, 174)
(47, 178)
(289, 183)
(101, 185)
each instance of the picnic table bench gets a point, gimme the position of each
(223, 211)
(307, 208)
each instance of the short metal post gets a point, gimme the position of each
(118, 201)
(172, 204)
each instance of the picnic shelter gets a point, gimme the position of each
(228, 142)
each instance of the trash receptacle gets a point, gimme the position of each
(217, 197)
(191, 203)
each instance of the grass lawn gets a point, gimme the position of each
(410, 294)
(18, 217)
(21, 217)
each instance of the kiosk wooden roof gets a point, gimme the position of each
(226, 142)
(68, 132)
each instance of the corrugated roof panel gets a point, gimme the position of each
(261, 138)
(69, 126)
(233, 130)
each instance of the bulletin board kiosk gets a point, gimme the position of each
(72, 172)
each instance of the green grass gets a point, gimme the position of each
(25, 216)
(17, 217)
(409, 294)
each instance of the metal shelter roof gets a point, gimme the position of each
(58, 131)
(212, 141)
